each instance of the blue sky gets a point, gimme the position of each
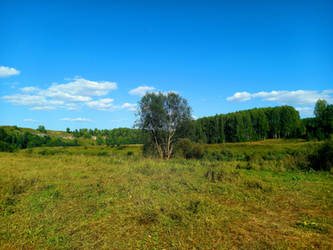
(86, 63)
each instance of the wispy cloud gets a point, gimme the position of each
(31, 120)
(79, 119)
(7, 71)
(30, 90)
(141, 90)
(129, 106)
(239, 97)
(306, 111)
(36, 102)
(106, 104)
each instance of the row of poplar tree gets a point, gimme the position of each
(247, 125)
(262, 123)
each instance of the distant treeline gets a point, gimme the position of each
(247, 125)
(14, 138)
(110, 137)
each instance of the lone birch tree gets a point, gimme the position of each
(160, 116)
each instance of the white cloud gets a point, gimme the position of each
(119, 120)
(79, 119)
(62, 96)
(302, 99)
(43, 108)
(239, 97)
(129, 106)
(79, 90)
(30, 120)
(297, 97)
(305, 111)
(141, 90)
(6, 71)
(105, 104)
(36, 102)
(30, 89)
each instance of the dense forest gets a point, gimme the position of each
(261, 123)
(247, 125)
(110, 137)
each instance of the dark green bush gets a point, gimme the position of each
(322, 159)
(198, 151)
(185, 148)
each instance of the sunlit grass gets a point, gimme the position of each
(81, 198)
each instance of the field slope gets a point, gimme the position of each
(67, 198)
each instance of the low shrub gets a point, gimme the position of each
(223, 155)
(103, 153)
(322, 159)
(185, 148)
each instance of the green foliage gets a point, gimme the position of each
(111, 137)
(322, 159)
(248, 125)
(54, 200)
(320, 108)
(41, 129)
(160, 117)
(99, 140)
(321, 126)
(13, 140)
(187, 149)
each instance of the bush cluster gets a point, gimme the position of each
(322, 159)
(185, 148)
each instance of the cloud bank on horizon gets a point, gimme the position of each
(302, 100)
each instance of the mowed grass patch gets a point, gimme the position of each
(85, 200)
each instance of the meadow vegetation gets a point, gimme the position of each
(87, 189)
(254, 195)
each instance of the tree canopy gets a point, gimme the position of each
(160, 116)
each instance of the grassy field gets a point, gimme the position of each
(99, 197)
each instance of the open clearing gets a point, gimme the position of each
(89, 197)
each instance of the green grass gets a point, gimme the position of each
(100, 197)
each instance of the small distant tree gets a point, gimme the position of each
(324, 119)
(99, 140)
(68, 130)
(320, 108)
(41, 129)
(160, 116)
